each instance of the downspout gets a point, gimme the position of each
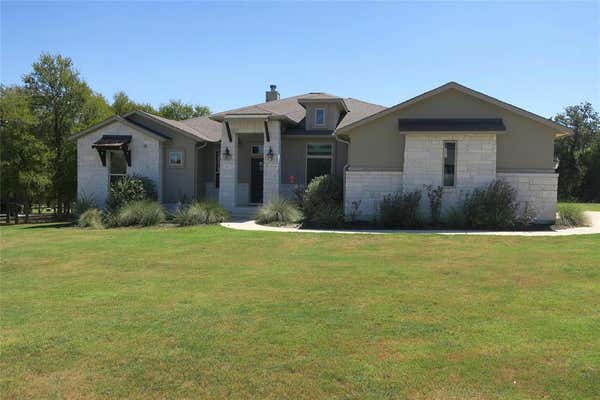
(346, 166)
(198, 147)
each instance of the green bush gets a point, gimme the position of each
(91, 218)
(83, 203)
(400, 210)
(435, 202)
(322, 202)
(200, 213)
(570, 215)
(494, 206)
(456, 218)
(278, 212)
(137, 213)
(129, 189)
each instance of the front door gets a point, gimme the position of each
(256, 180)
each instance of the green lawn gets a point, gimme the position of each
(207, 312)
(588, 206)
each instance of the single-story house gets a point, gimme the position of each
(451, 136)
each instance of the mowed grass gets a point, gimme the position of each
(587, 206)
(208, 313)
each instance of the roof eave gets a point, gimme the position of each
(149, 116)
(113, 119)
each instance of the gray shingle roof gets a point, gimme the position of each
(209, 128)
(291, 109)
(202, 128)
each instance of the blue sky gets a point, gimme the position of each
(540, 56)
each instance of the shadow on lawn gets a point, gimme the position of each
(68, 224)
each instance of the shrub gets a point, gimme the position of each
(494, 206)
(140, 213)
(456, 218)
(322, 203)
(329, 216)
(278, 212)
(435, 202)
(570, 215)
(129, 189)
(91, 218)
(83, 203)
(400, 209)
(200, 213)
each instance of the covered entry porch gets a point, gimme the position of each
(250, 171)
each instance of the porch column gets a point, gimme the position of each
(272, 165)
(229, 169)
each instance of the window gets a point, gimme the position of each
(217, 168)
(319, 116)
(117, 167)
(175, 158)
(449, 163)
(318, 160)
(258, 150)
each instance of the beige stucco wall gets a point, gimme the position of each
(179, 183)
(294, 157)
(378, 144)
(206, 172)
(332, 115)
(92, 176)
(525, 145)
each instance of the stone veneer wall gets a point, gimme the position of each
(423, 164)
(535, 191)
(272, 168)
(92, 176)
(367, 188)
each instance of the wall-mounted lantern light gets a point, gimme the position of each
(270, 154)
(227, 153)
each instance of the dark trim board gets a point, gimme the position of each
(451, 124)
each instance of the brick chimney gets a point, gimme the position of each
(272, 94)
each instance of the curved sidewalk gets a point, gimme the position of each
(593, 219)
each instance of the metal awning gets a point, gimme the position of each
(451, 124)
(114, 143)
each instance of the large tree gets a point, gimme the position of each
(122, 104)
(579, 155)
(23, 154)
(178, 110)
(63, 104)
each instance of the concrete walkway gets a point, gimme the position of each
(593, 219)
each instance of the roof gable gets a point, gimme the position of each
(117, 119)
(559, 129)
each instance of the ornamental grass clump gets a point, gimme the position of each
(91, 218)
(278, 212)
(137, 213)
(201, 213)
(570, 215)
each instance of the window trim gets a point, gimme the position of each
(169, 164)
(307, 157)
(444, 163)
(317, 109)
(253, 154)
(109, 166)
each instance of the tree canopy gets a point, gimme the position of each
(579, 155)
